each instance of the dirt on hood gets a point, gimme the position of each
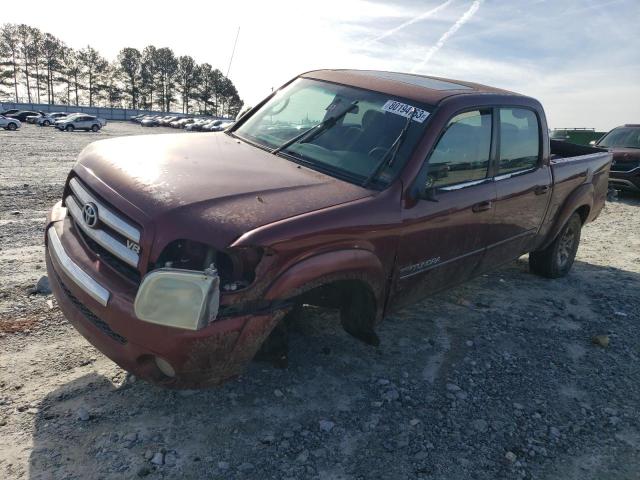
(234, 186)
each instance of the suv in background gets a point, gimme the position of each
(624, 143)
(80, 122)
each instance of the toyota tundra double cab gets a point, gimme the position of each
(178, 255)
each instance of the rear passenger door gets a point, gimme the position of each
(84, 122)
(443, 241)
(523, 185)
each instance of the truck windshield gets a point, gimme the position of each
(352, 147)
(624, 137)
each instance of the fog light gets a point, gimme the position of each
(165, 367)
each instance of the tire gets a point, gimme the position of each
(69, 128)
(46, 123)
(556, 260)
(12, 126)
(95, 128)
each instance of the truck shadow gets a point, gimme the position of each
(467, 374)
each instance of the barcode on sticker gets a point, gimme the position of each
(404, 110)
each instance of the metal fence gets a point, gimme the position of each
(102, 112)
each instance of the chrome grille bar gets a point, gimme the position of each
(73, 271)
(101, 237)
(106, 216)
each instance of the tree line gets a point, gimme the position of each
(37, 67)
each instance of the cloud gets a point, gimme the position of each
(423, 16)
(466, 16)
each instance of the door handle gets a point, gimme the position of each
(541, 190)
(482, 206)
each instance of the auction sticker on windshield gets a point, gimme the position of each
(404, 110)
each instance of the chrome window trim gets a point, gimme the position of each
(73, 271)
(504, 176)
(459, 186)
(106, 215)
(100, 236)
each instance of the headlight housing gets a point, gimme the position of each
(179, 298)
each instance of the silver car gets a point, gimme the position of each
(80, 121)
(9, 123)
(50, 118)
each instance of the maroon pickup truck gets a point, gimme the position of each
(179, 255)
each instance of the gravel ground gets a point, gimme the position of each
(498, 378)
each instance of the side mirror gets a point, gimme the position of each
(429, 191)
(592, 143)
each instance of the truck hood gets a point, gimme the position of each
(205, 186)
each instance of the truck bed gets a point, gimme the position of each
(573, 166)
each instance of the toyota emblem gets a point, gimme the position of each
(90, 214)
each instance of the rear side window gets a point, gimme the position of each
(519, 140)
(462, 153)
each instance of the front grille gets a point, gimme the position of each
(114, 262)
(112, 237)
(90, 316)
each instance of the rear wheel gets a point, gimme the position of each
(46, 123)
(12, 126)
(69, 128)
(95, 128)
(556, 260)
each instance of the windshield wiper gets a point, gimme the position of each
(392, 151)
(317, 130)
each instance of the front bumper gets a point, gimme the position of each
(99, 304)
(628, 181)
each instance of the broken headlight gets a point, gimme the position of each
(179, 298)
(236, 267)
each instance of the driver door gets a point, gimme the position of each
(443, 242)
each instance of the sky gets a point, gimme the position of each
(580, 58)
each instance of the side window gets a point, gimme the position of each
(462, 153)
(519, 140)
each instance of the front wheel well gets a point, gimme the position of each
(583, 211)
(354, 299)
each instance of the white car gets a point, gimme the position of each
(9, 123)
(50, 118)
(80, 121)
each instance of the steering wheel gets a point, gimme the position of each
(377, 152)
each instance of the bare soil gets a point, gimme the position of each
(496, 379)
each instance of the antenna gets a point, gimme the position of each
(233, 53)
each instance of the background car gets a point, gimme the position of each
(9, 123)
(197, 124)
(34, 118)
(150, 121)
(9, 112)
(221, 126)
(80, 122)
(624, 143)
(50, 118)
(22, 115)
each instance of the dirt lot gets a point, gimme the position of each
(495, 379)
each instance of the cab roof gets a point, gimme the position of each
(420, 88)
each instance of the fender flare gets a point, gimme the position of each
(580, 197)
(323, 268)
